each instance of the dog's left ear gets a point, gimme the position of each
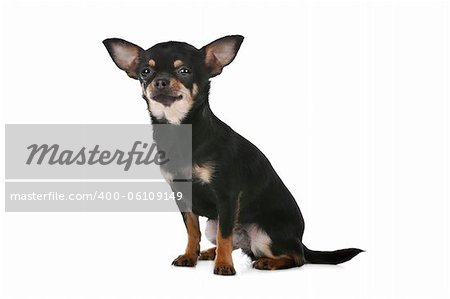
(124, 54)
(221, 53)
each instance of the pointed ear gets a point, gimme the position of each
(221, 53)
(124, 54)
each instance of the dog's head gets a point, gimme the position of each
(173, 74)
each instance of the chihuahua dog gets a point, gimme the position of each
(234, 185)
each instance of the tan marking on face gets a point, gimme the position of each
(175, 84)
(177, 63)
(151, 63)
(194, 90)
(176, 112)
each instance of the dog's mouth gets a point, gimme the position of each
(166, 99)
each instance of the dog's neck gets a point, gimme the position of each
(205, 128)
(201, 118)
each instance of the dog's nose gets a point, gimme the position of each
(161, 83)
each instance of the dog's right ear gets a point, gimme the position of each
(124, 54)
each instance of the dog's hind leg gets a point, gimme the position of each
(275, 252)
(277, 263)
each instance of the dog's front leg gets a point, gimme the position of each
(190, 256)
(228, 214)
(223, 264)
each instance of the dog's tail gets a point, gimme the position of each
(330, 257)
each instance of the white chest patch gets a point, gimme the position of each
(178, 110)
(174, 113)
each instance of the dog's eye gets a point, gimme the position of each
(146, 72)
(184, 71)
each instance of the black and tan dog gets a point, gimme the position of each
(234, 186)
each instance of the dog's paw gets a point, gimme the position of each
(185, 260)
(224, 269)
(208, 255)
(263, 264)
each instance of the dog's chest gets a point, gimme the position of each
(203, 196)
(202, 173)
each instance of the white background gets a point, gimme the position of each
(349, 100)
